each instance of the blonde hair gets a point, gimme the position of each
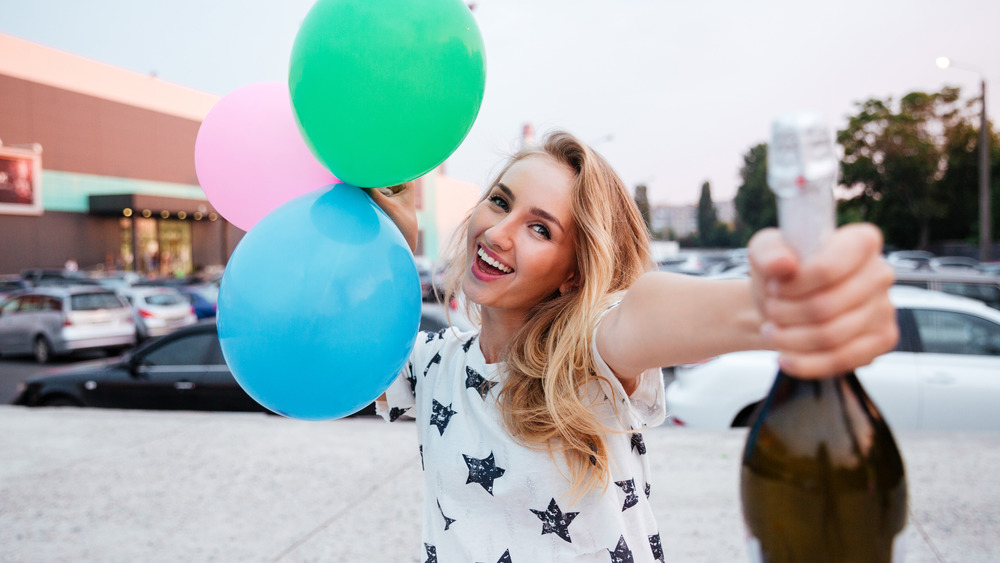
(549, 360)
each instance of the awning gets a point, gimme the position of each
(117, 204)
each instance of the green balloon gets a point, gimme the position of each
(385, 90)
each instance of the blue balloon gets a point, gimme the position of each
(319, 306)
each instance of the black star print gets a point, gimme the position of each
(432, 553)
(447, 521)
(395, 413)
(430, 337)
(468, 344)
(621, 553)
(638, 444)
(654, 544)
(412, 379)
(505, 558)
(435, 360)
(441, 416)
(647, 490)
(475, 381)
(422, 468)
(440, 333)
(631, 499)
(483, 471)
(554, 521)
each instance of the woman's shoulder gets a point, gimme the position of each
(448, 336)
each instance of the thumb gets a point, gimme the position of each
(770, 256)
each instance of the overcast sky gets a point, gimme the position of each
(673, 93)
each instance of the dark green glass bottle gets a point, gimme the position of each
(822, 480)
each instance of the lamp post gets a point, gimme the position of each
(985, 238)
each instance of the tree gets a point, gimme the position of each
(755, 204)
(642, 202)
(707, 217)
(894, 161)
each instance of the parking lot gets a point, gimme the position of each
(109, 485)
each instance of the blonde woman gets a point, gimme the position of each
(530, 428)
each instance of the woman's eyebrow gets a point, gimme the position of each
(534, 210)
(547, 216)
(506, 191)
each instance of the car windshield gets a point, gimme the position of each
(94, 301)
(165, 299)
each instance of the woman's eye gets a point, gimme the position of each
(499, 202)
(542, 230)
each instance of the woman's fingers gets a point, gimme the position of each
(845, 293)
(859, 351)
(399, 204)
(831, 313)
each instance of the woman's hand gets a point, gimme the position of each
(399, 203)
(829, 314)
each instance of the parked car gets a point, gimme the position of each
(962, 282)
(158, 311)
(55, 320)
(203, 307)
(954, 262)
(184, 370)
(912, 259)
(943, 375)
(55, 276)
(9, 285)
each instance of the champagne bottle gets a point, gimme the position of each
(822, 480)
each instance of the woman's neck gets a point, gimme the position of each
(498, 328)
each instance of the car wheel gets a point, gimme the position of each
(61, 401)
(42, 350)
(746, 416)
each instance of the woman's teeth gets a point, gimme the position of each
(486, 258)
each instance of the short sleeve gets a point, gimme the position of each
(646, 405)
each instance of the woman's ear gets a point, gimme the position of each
(569, 285)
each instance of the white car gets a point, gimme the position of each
(158, 310)
(943, 375)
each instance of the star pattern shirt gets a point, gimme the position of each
(488, 498)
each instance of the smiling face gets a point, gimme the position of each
(521, 238)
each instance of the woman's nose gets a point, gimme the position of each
(499, 235)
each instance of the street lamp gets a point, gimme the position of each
(984, 162)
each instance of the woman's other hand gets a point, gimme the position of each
(399, 203)
(829, 314)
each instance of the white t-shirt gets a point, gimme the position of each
(489, 499)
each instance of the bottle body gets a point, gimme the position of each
(822, 480)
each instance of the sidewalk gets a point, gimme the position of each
(105, 485)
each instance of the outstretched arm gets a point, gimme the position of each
(826, 316)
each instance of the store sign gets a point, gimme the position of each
(21, 180)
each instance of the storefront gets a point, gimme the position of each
(97, 168)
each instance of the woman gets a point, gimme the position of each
(529, 427)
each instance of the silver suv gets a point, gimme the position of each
(48, 321)
(961, 282)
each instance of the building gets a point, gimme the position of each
(97, 165)
(682, 220)
(114, 184)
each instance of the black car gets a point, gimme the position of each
(184, 370)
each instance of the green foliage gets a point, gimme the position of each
(755, 204)
(642, 202)
(912, 167)
(711, 232)
(707, 217)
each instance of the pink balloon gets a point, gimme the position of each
(250, 157)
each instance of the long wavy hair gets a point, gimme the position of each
(549, 361)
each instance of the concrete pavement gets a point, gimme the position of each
(106, 485)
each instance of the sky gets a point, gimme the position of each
(672, 93)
